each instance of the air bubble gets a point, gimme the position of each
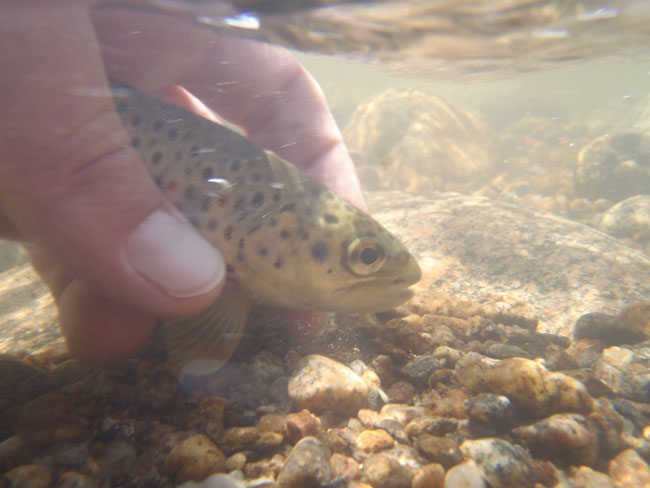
(217, 187)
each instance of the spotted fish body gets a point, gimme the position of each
(286, 238)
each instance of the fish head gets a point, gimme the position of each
(330, 255)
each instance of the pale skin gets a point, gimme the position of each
(75, 188)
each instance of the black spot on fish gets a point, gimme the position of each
(158, 180)
(136, 120)
(263, 251)
(172, 134)
(305, 236)
(156, 157)
(285, 234)
(330, 219)
(206, 203)
(194, 151)
(122, 106)
(288, 207)
(240, 203)
(189, 193)
(273, 222)
(330, 271)
(320, 251)
(278, 263)
(241, 257)
(256, 177)
(254, 229)
(227, 233)
(157, 125)
(258, 199)
(136, 142)
(276, 197)
(207, 173)
(241, 243)
(212, 224)
(235, 166)
(229, 268)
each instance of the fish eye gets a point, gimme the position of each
(365, 256)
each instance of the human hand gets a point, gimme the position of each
(78, 192)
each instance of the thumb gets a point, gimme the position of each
(70, 181)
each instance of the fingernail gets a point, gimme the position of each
(174, 256)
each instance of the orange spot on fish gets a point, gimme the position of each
(172, 185)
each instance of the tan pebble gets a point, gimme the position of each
(374, 440)
(384, 471)
(401, 412)
(238, 438)
(585, 477)
(308, 464)
(430, 476)
(367, 417)
(236, 461)
(401, 392)
(320, 383)
(273, 422)
(344, 467)
(194, 459)
(371, 379)
(465, 475)
(29, 476)
(302, 424)
(412, 319)
(629, 470)
(442, 450)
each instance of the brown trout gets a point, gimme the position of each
(287, 239)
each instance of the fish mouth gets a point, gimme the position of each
(371, 296)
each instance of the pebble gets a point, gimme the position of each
(501, 464)
(464, 475)
(242, 438)
(610, 330)
(400, 392)
(494, 410)
(344, 467)
(307, 466)
(373, 441)
(625, 372)
(48, 419)
(401, 412)
(393, 427)
(273, 422)
(530, 386)
(442, 450)
(585, 477)
(430, 424)
(302, 424)
(209, 417)
(629, 219)
(320, 383)
(194, 459)
(497, 350)
(236, 462)
(557, 359)
(418, 369)
(429, 476)
(565, 438)
(29, 476)
(384, 471)
(629, 470)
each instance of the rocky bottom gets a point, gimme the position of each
(447, 393)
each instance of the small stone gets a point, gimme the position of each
(267, 366)
(585, 477)
(497, 350)
(430, 476)
(73, 479)
(194, 459)
(367, 417)
(344, 467)
(557, 359)
(442, 450)
(491, 409)
(564, 438)
(610, 330)
(320, 383)
(465, 475)
(48, 419)
(628, 469)
(307, 466)
(209, 417)
(626, 372)
(629, 219)
(377, 399)
(29, 476)
(273, 422)
(400, 412)
(418, 369)
(448, 354)
(242, 438)
(501, 464)
(384, 471)
(401, 392)
(265, 468)
(302, 424)
(393, 427)
(373, 441)
(438, 426)
(236, 462)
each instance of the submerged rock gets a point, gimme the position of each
(630, 219)
(308, 465)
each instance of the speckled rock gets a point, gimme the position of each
(630, 219)
(320, 383)
(629, 470)
(418, 369)
(565, 438)
(430, 476)
(532, 388)
(501, 464)
(626, 372)
(414, 141)
(29, 476)
(489, 409)
(194, 459)
(307, 466)
(464, 475)
(441, 450)
(609, 329)
(384, 471)
(563, 269)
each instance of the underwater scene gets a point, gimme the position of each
(323, 244)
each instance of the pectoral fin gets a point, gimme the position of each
(202, 343)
